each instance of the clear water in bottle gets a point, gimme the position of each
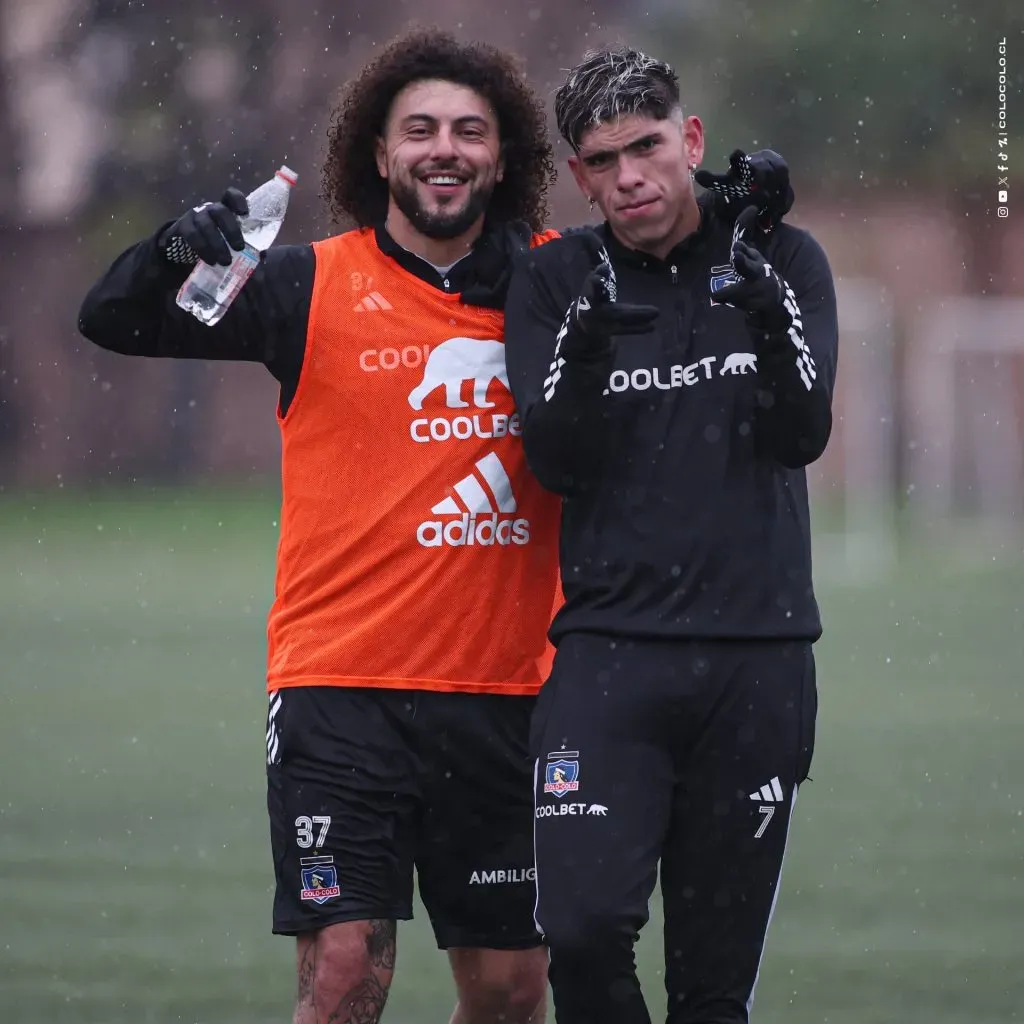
(209, 291)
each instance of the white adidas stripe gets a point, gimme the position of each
(448, 507)
(473, 496)
(373, 301)
(472, 493)
(775, 899)
(497, 479)
(273, 738)
(770, 793)
(555, 370)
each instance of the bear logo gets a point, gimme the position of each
(457, 360)
(739, 362)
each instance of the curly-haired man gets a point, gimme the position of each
(417, 565)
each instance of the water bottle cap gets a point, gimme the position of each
(288, 174)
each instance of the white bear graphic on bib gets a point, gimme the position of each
(457, 360)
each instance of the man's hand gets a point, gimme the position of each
(760, 180)
(594, 318)
(208, 232)
(765, 297)
(597, 313)
(777, 324)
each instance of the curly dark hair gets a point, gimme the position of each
(350, 182)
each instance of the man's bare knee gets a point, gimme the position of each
(509, 986)
(344, 972)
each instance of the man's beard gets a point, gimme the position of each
(440, 224)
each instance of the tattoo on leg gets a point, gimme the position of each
(362, 1004)
(307, 973)
(380, 944)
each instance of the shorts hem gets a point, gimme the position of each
(467, 940)
(530, 689)
(341, 917)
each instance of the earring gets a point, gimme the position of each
(591, 201)
(691, 172)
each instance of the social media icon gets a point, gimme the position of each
(1004, 196)
(1003, 211)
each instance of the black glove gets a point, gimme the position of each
(208, 232)
(760, 180)
(495, 254)
(761, 293)
(597, 313)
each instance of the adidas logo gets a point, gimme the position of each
(771, 793)
(372, 301)
(482, 512)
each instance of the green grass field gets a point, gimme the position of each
(135, 876)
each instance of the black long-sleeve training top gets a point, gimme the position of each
(132, 310)
(680, 453)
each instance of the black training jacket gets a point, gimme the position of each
(680, 453)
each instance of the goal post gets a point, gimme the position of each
(963, 401)
(856, 482)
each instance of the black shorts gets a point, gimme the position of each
(683, 757)
(366, 785)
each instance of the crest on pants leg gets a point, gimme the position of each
(562, 772)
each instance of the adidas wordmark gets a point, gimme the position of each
(477, 515)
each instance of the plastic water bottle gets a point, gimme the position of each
(210, 290)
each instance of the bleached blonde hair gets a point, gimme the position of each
(609, 83)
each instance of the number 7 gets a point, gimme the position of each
(768, 812)
(324, 821)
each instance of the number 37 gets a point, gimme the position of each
(306, 825)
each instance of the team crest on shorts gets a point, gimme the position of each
(562, 772)
(722, 275)
(319, 879)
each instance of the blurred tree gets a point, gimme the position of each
(871, 95)
(865, 98)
